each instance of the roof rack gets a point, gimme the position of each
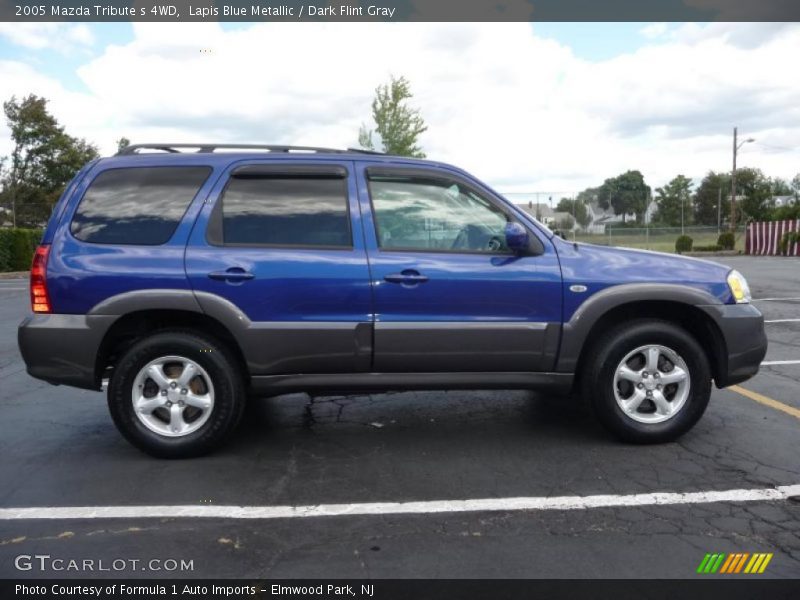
(210, 148)
(365, 151)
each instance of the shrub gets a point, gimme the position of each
(788, 238)
(786, 213)
(727, 240)
(17, 247)
(709, 248)
(683, 244)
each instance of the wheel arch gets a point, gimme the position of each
(133, 326)
(676, 304)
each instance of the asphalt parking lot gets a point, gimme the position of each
(59, 448)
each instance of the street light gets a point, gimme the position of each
(736, 146)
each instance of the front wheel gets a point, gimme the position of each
(648, 381)
(176, 394)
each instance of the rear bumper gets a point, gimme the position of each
(742, 327)
(62, 349)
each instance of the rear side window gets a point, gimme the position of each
(286, 211)
(137, 206)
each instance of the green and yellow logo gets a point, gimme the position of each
(741, 562)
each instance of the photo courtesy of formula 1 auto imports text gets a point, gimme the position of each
(399, 299)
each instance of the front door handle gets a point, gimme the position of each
(234, 274)
(406, 277)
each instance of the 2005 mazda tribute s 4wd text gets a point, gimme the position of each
(192, 278)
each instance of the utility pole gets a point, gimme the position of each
(682, 203)
(719, 211)
(733, 182)
(13, 202)
(574, 216)
(736, 146)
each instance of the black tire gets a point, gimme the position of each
(226, 378)
(603, 358)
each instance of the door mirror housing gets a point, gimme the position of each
(517, 238)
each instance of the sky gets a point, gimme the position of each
(544, 107)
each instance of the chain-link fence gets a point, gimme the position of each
(657, 238)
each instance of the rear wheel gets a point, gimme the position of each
(176, 394)
(648, 381)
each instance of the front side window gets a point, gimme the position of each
(435, 215)
(286, 211)
(138, 206)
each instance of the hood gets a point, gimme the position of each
(598, 267)
(646, 265)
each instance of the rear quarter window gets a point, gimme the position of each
(136, 206)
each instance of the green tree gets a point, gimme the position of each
(674, 200)
(708, 196)
(796, 186)
(566, 223)
(576, 209)
(588, 195)
(43, 160)
(788, 211)
(780, 187)
(625, 194)
(122, 143)
(754, 194)
(396, 123)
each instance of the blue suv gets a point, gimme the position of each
(192, 277)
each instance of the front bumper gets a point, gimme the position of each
(63, 349)
(742, 329)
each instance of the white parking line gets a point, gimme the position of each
(772, 299)
(770, 363)
(783, 492)
(783, 321)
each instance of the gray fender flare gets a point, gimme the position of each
(576, 331)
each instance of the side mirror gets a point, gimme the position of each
(516, 238)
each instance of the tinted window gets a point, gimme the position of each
(141, 205)
(421, 214)
(286, 211)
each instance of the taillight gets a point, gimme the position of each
(40, 299)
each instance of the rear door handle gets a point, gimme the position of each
(406, 277)
(234, 274)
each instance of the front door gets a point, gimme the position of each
(280, 241)
(448, 293)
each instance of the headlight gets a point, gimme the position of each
(739, 287)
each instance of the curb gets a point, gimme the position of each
(15, 275)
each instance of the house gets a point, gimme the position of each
(601, 218)
(545, 214)
(605, 217)
(778, 201)
(540, 210)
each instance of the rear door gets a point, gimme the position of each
(448, 294)
(281, 242)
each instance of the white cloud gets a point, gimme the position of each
(63, 37)
(654, 30)
(521, 112)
